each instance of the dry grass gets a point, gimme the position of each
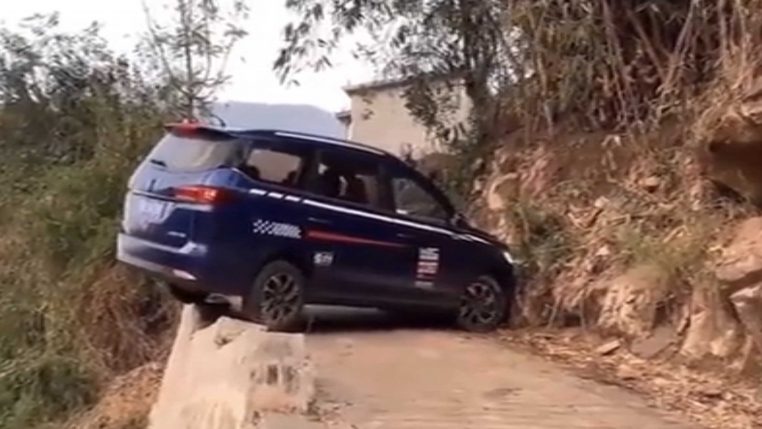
(125, 403)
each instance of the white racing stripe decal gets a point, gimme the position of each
(377, 217)
(339, 209)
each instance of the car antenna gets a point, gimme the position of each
(222, 122)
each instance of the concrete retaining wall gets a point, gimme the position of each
(226, 374)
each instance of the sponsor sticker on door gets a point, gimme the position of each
(428, 267)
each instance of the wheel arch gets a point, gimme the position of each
(505, 277)
(298, 258)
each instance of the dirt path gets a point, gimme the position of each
(421, 379)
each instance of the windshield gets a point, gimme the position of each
(196, 152)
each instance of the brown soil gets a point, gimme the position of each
(707, 396)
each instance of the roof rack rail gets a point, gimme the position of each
(331, 140)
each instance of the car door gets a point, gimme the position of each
(423, 216)
(357, 253)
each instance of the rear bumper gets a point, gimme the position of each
(190, 266)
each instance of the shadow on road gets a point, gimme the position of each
(323, 319)
(329, 319)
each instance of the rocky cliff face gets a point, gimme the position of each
(628, 236)
(732, 149)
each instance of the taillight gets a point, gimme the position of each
(203, 194)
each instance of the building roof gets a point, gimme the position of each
(378, 85)
(344, 115)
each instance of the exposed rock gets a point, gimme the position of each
(733, 149)
(650, 347)
(601, 202)
(223, 376)
(627, 373)
(711, 392)
(715, 329)
(629, 306)
(741, 263)
(748, 304)
(650, 184)
(603, 251)
(608, 348)
(713, 332)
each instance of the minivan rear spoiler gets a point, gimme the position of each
(194, 128)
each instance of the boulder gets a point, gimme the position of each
(661, 339)
(741, 262)
(713, 332)
(748, 305)
(227, 374)
(740, 274)
(631, 300)
(726, 320)
(733, 149)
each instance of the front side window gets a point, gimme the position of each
(348, 176)
(412, 199)
(274, 165)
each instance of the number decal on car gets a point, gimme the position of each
(323, 259)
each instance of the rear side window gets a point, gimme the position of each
(196, 152)
(349, 176)
(280, 162)
(274, 166)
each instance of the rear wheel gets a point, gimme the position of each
(277, 298)
(483, 306)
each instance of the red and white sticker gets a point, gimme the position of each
(428, 263)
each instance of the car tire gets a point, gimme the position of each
(277, 297)
(185, 296)
(483, 306)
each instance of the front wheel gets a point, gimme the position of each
(277, 297)
(483, 306)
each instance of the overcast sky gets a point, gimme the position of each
(253, 79)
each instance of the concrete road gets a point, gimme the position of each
(380, 374)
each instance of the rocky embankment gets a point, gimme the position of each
(651, 240)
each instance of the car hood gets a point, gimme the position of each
(486, 236)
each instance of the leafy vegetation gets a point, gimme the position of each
(75, 118)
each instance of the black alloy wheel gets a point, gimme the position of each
(482, 306)
(278, 297)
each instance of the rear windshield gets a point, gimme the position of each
(195, 153)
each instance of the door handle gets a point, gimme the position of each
(404, 236)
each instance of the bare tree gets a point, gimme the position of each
(191, 49)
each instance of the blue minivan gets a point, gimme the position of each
(280, 219)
